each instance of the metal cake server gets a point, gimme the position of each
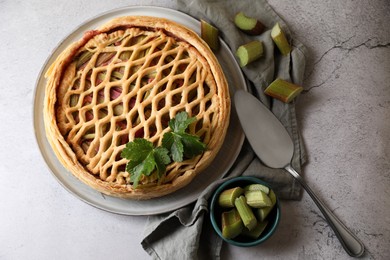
(274, 147)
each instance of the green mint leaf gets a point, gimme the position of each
(130, 166)
(192, 145)
(135, 173)
(163, 155)
(144, 159)
(148, 164)
(171, 141)
(137, 150)
(167, 140)
(146, 167)
(177, 149)
(179, 143)
(161, 158)
(181, 121)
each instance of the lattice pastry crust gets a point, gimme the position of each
(126, 80)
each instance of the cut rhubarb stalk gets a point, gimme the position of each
(84, 58)
(262, 213)
(227, 198)
(100, 96)
(249, 52)
(89, 136)
(104, 58)
(125, 56)
(87, 99)
(134, 69)
(256, 231)
(115, 92)
(283, 90)
(88, 116)
(231, 224)
(135, 40)
(118, 110)
(168, 59)
(280, 39)
(76, 117)
(146, 95)
(246, 214)
(74, 99)
(100, 77)
(248, 25)
(116, 75)
(210, 35)
(140, 133)
(102, 113)
(253, 187)
(132, 103)
(257, 199)
(147, 113)
(152, 74)
(104, 129)
(140, 54)
(85, 146)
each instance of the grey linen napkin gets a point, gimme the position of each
(186, 233)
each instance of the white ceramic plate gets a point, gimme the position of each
(188, 194)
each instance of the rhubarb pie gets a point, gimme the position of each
(126, 80)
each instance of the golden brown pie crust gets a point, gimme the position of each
(125, 80)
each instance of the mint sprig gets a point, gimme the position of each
(178, 142)
(145, 159)
(180, 123)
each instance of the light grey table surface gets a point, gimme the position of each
(344, 116)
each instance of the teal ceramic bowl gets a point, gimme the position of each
(216, 213)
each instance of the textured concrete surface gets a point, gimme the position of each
(344, 115)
